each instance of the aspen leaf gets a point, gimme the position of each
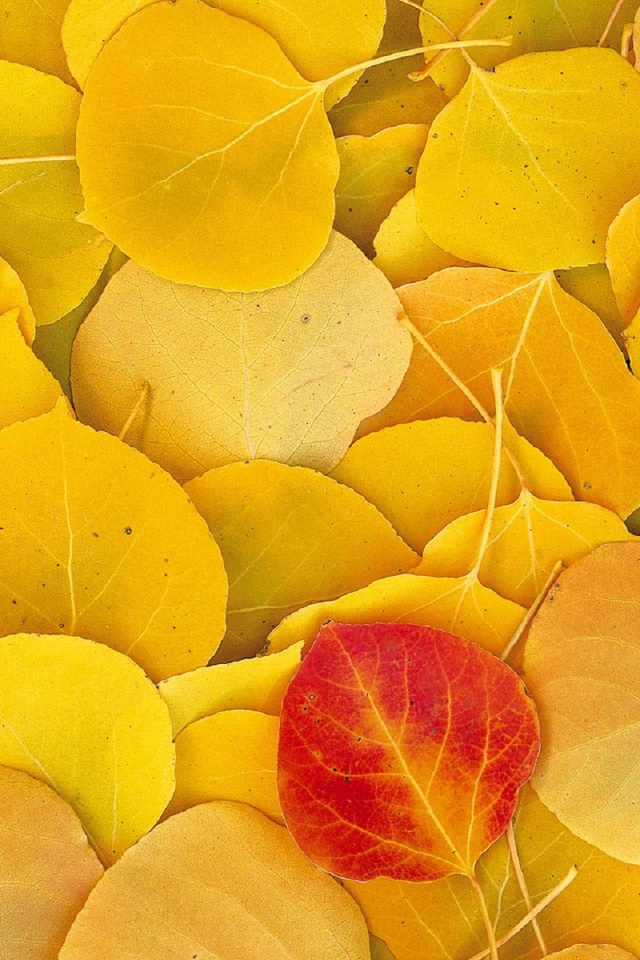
(86, 721)
(592, 286)
(527, 539)
(31, 35)
(27, 389)
(98, 541)
(533, 25)
(601, 903)
(255, 684)
(526, 168)
(375, 172)
(221, 879)
(401, 751)
(404, 252)
(47, 868)
(593, 951)
(384, 96)
(286, 374)
(567, 388)
(230, 755)
(425, 474)
(458, 606)
(320, 39)
(215, 163)
(13, 294)
(57, 258)
(581, 662)
(623, 258)
(289, 537)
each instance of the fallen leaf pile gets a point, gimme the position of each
(319, 487)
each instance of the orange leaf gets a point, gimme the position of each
(402, 750)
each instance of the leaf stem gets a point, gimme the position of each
(522, 883)
(433, 16)
(534, 912)
(614, 13)
(405, 54)
(8, 161)
(531, 612)
(469, 25)
(496, 383)
(491, 934)
(136, 410)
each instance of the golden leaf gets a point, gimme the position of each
(86, 721)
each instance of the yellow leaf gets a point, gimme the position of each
(215, 168)
(592, 286)
(13, 294)
(31, 35)
(567, 387)
(289, 537)
(601, 904)
(375, 172)
(623, 258)
(54, 341)
(319, 38)
(459, 606)
(98, 541)
(404, 252)
(287, 374)
(228, 756)
(532, 25)
(255, 684)
(582, 666)
(526, 168)
(27, 389)
(86, 721)
(423, 475)
(384, 95)
(47, 868)
(589, 951)
(526, 541)
(221, 880)
(57, 258)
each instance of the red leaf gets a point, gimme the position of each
(402, 750)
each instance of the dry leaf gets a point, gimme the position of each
(98, 541)
(601, 904)
(320, 38)
(623, 258)
(404, 252)
(423, 475)
(401, 751)
(255, 684)
(27, 389)
(215, 163)
(289, 537)
(384, 96)
(592, 286)
(86, 721)
(375, 172)
(57, 258)
(567, 387)
(31, 35)
(526, 541)
(458, 606)
(582, 666)
(230, 755)
(532, 25)
(220, 880)
(47, 868)
(542, 142)
(287, 374)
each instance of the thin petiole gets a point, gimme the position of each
(491, 934)
(531, 612)
(522, 883)
(136, 410)
(534, 912)
(614, 13)
(8, 161)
